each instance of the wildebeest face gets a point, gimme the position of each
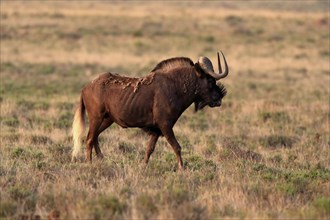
(209, 93)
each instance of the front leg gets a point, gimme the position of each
(170, 137)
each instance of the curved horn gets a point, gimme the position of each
(206, 65)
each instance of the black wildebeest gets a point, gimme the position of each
(153, 102)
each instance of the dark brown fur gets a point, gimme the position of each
(153, 103)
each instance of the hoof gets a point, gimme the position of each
(100, 156)
(181, 168)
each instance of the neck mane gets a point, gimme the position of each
(173, 63)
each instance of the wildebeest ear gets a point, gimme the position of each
(199, 70)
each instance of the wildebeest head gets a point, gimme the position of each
(208, 92)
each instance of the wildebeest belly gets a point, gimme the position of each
(134, 117)
(131, 109)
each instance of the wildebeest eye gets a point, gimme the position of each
(211, 83)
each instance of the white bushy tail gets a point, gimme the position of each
(78, 128)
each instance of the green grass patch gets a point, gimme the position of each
(275, 117)
(10, 121)
(196, 162)
(322, 205)
(7, 209)
(106, 207)
(277, 141)
(146, 205)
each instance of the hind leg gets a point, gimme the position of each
(151, 146)
(92, 136)
(105, 124)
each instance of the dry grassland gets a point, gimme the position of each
(263, 154)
